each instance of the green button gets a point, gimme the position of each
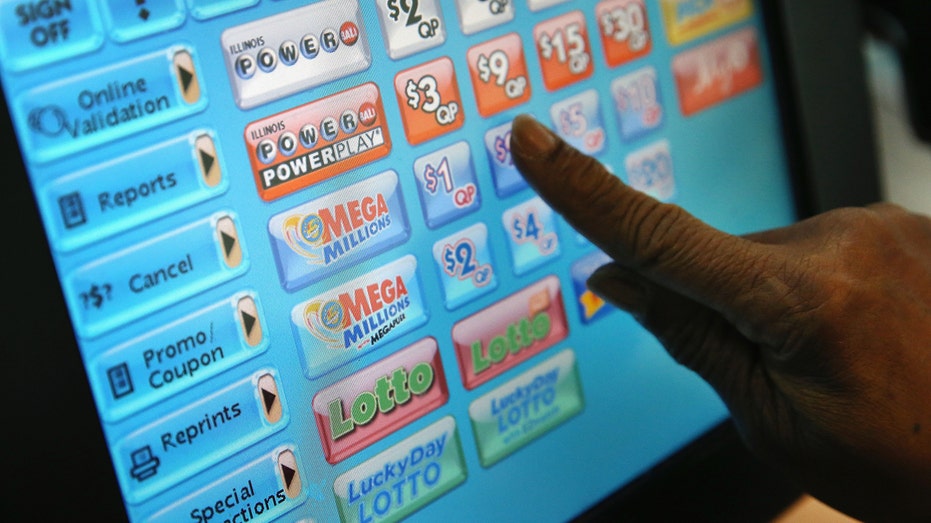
(526, 407)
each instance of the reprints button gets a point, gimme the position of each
(126, 192)
(143, 278)
(293, 51)
(369, 405)
(427, 465)
(183, 443)
(36, 33)
(81, 112)
(525, 408)
(357, 317)
(159, 364)
(265, 488)
(339, 230)
(299, 147)
(509, 332)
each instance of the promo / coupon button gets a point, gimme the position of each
(105, 105)
(154, 274)
(179, 445)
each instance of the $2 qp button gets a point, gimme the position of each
(428, 96)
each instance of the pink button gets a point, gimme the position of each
(367, 406)
(509, 332)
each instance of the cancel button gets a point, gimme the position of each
(141, 282)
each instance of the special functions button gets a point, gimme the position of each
(404, 478)
(333, 232)
(369, 405)
(145, 370)
(114, 290)
(265, 488)
(105, 105)
(113, 197)
(356, 317)
(293, 51)
(311, 143)
(509, 332)
(181, 444)
(523, 409)
(39, 32)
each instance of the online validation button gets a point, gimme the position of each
(105, 105)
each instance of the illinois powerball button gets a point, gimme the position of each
(564, 50)
(578, 120)
(508, 179)
(531, 231)
(446, 184)
(428, 95)
(411, 27)
(650, 170)
(638, 103)
(625, 30)
(478, 15)
(590, 306)
(499, 74)
(465, 266)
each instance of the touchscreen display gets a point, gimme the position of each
(306, 280)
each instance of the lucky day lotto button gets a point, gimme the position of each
(104, 105)
(399, 481)
(181, 444)
(117, 289)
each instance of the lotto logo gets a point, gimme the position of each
(294, 51)
(311, 143)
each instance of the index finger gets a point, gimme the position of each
(660, 240)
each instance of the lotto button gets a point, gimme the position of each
(638, 103)
(464, 264)
(428, 96)
(411, 27)
(130, 21)
(447, 185)
(431, 464)
(156, 365)
(650, 170)
(289, 52)
(625, 30)
(499, 74)
(531, 231)
(154, 274)
(526, 407)
(509, 332)
(266, 487)
(205, 9)
(108, 104)
(33, 34)
(126, 192)
(203, 433)
(687, 20)
(508, 179)
(578, 120)
(367, 406)
(564, 50)
(478, 15)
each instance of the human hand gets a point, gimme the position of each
(816, 336)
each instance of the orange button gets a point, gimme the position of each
(564, 50)
(625, 30)
(428, 96)
(499, 74)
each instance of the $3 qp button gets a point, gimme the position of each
(428, 96)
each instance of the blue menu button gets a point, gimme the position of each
(35, 33)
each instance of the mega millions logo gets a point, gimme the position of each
(330, 233)
(360, 317)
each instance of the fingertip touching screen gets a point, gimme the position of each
(307, 281)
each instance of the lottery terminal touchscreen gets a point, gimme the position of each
(307, 282)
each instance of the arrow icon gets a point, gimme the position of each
(288, 474)
(187, 76)
(209, 166)
(249, 315)
(268, 390)
(287, 464)
(229, 239)
(269, 399)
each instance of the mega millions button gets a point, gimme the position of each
(499, 74)
(507, 178)
(143, 278)
(564, 50)
(429, 99)
(526, 407)
(33, 34)
(625, 30)
(296, 50)
(180, 444)
(447, 184)
(687, 20)
(531, 231)
(478, 15)
(411, 27)
(464, 265)
(132, 21)
(104, 105)
(431, 464)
